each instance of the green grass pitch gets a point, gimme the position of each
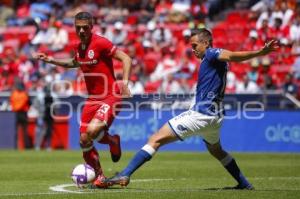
(31, 174)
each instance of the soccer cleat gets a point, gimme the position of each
(240, 187)
(123, 181)
(100, 182)
(115, 148)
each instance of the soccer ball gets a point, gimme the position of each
(82, 175)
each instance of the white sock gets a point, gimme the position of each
(149, 149)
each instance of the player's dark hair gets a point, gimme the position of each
(84, 16)
(203, 33)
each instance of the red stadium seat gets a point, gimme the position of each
(150, 64)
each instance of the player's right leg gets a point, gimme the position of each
(89, 130)
(164, 136)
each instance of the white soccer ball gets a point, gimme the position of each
(83, 174)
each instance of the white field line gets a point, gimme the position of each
(275, 178)
(61, 189)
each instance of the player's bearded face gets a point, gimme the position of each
(83, 29)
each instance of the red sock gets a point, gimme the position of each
(91, 157)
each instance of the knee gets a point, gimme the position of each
(216, 151)
(85, 140)
(154, 141)
(93, 132)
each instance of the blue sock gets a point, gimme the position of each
(231, 166)
(138, 160)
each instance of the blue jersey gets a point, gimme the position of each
(211, 83)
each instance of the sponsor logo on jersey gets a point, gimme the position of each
(91, 54)
(181, 128)
(92, 62)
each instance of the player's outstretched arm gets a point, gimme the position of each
(227, 55)
(126, 61)
(68, 63)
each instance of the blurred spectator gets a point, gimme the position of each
(261, 5)
(162, 35)
(52, 76)
(162, 10)
(253, 73)
(57, 37)
(183, 45)
(9, 62)
(278, 31)
(118, 34)
(21, 17)
(296, 65)
(180, 11)
(41, 36)
(150, 58)
(25, 68)
(151, 27)
(58, 10)
(37, 111)
(147, 10)
(5, 12)
(287, 13)
(187, 66)
(289, 86)
(171, 86)
(230, 82)
(295, 29)
(137, 65)
(63, 88)
(6, 80)
(166, 66)
(252, 42)
(20, 103)
(263, 18)
(246, 86)
(44, 131)
(135, 86)
(264, 31)
(284, 54)
(113, 12)
(269, 84)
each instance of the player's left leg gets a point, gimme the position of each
(229, 164)
(114, 143)
(106, 113)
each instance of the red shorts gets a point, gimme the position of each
(104, 110)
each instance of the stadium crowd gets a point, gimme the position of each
(155, 34)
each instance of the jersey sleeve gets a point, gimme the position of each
(106, 47)
(213, 53)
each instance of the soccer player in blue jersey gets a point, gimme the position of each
(205, 115)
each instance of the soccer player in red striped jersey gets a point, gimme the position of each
(94, 56)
